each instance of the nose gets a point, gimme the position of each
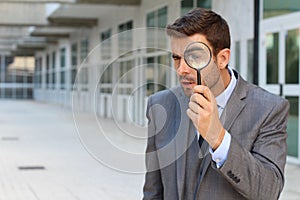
(183, 68)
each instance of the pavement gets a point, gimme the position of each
(48, 152)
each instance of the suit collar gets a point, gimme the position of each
(233, 108)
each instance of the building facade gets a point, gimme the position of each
(111, 68)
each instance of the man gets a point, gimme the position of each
(192, 153)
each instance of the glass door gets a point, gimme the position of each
(279, 70)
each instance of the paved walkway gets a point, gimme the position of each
(43, 157)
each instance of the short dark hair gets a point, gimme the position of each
(203, 21)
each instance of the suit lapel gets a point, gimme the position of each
(184, 138)
(232, 110)
(234, 105)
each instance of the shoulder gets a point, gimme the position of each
(165, 102)
(166, 96)
(258, 96)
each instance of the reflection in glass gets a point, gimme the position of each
(272, 41)
(293, 127)
(292, 57)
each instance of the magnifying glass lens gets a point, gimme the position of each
(197, 55)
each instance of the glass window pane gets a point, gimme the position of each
(237, 55)
(84, 48)
(125, 38)
(162, 17)
(53, 80)
(292, 57)
(186, 5)
(279, 7)
(293, 127)
(62, 57)
(106, 45)
(250, 61)
(150, 76)
(272, 57)
(162, 72)
(155, 39)
(74, 55)
(47, 61)
(53, 60)
(204, 3)
(150, 20)
(62, 80)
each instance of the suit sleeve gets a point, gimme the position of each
(153, 188)
(259, 173)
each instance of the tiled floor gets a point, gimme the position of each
(47, 154)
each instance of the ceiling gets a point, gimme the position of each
(27, 26)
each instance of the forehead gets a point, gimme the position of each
(178, 45)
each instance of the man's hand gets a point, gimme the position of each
(203, 111)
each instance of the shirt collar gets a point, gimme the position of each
(223, 98)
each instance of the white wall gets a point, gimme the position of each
(240, 17)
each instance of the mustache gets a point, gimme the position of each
(187, 78)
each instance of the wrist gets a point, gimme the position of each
(219, 139)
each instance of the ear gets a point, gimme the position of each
(223, 58)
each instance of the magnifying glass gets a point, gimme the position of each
(197, 55)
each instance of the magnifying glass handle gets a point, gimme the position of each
(198, 77)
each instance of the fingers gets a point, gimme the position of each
(204, 90)
(198, 101)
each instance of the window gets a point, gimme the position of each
(292, 57)
(250, 60)
(187, 5)
(157, 73)
(125, 77)
(84, 70)
(74, 52)
(279, 7)
(238, 56)
(84, 49)
(106, 79)
(125, 38)
(53, 69)
(106, 45)
(293, 127)
(62, 68)
(156, 37)
(48, 74)
(38, 73)
(272, 42)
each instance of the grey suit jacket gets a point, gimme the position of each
(254, 169)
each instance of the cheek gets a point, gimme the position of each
(210, 74)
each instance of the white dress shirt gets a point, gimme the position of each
(220, 154)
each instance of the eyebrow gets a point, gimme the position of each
(175, 56)
(194, 49)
